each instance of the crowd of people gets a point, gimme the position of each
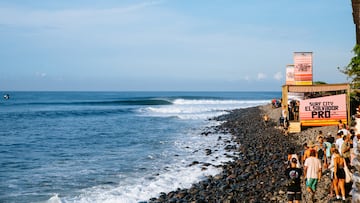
(276, 103)
(323, 155)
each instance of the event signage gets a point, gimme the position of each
(303, 68)
(290, 80)
(323, 110)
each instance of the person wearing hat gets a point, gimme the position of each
(293, 185)
(310, 146)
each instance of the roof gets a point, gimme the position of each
(318, 88)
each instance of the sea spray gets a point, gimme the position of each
(54, 199)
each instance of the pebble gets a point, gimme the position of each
(256, 173)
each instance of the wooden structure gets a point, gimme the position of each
(294, 127)
(325, 89)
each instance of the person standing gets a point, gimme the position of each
(334, 182)
(312, 172)
(320, 135)
(344, 129)
(293, 155)
(339, 176)
(266, 119)
(302, 153)
(294, 181)
(284, 114)
(310, 147)
(296, 111)
(319, 147)
(327, 146)
(340, 125)
(339, 141)
(345, 149)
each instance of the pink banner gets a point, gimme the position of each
(324, 108)
(290, 80)
(303, 68)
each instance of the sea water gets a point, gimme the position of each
(111, 147)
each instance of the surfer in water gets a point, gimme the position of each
(6, 96)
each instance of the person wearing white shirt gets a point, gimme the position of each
(339, 141)
(344, 131)
(312, 173)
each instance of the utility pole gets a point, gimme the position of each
(356, 17)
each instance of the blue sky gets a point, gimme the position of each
(175, 45)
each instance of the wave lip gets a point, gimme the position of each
(214, 102)
(198, 108)
(130, 102)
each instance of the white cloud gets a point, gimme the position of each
(278, 76)
(71, 17)
(247, 78)
(40, 75)
(261, 76)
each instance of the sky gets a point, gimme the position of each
(169, 45)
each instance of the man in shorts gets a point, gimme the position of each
(312, 172)
(266, 119)
(293, 175)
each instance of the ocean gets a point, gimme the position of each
(110, 147)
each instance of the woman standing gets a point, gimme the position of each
(339, 175)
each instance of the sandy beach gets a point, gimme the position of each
(256, 173)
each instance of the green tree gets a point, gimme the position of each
(352, 70)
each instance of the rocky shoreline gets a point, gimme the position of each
(256, 173)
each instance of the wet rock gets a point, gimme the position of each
(194, 163)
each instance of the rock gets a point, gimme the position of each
(194, 163)
(256, 173)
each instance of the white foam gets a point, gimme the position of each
(216, 102)
(198, 109)
(54, 199)
(177, 174)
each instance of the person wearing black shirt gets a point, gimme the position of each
(293, 175)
